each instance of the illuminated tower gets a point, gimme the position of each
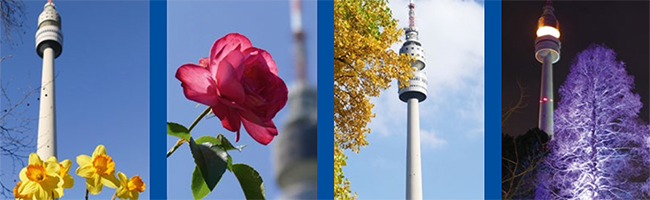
(412, 95)
(294, 151)
(49, 44)
(547, 52)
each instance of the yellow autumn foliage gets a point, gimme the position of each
(364, 64)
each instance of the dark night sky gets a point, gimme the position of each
(620, 25)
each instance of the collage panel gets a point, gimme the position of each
(575, 99)
(424, 140)
(88, 137)
(241, 99)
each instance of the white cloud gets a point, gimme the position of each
(451, 32)
(430, 139)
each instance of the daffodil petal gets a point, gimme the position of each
(51, 159)
(34, 159)
(52, 168)
(68, 181)
(57, 193)
(66, 164)
(23, 175)
(110, 181)
(28, 188)
(123, 177)
(41, 193)
(122, 192)
(135, 195)
(51, 183)
(99, 150)
(93, 184)
(86, 171)
(83, 160)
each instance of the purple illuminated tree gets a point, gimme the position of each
(599, 150)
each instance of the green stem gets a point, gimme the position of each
(86, 194)
(181, 141)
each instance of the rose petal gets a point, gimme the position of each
(260, 57)
(259, 133)
(228, 78)
(231, 42)
(198, 84)
(229, 117)
(204, 62)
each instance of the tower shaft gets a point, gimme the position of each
(546, 97)
(413, 157)
(49, 45)
(46, 143)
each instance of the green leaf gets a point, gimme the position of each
(199, 188)
(219, 140)
(250, 181)
(211, 160)
(178, 130)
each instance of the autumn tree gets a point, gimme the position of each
(364, 64)
(599, 147)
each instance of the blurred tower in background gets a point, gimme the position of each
(49, 45)
(547, 52)
(415, 93)
(295, 147)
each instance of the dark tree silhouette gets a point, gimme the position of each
(16, 135)
(599, 147)
(520, 158)
(12, 16)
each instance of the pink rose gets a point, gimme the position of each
(241, 84)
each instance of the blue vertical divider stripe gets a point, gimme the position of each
(325, 99)
(157, 99)
(493, 99)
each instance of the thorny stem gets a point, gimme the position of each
(181, 141)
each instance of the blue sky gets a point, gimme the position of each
(192, 27)
(451, 118)
(102, 85)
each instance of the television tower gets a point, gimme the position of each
(412, 95)
(49, 45)
(294, 151)
(547, 52)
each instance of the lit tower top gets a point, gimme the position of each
(49, 30)
(548, 34)
(49, 45)
(547, 52)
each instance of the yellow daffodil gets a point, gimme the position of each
(64, 167)
(40, 180)
(99, 170)
(17, 194)
(129, 188)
